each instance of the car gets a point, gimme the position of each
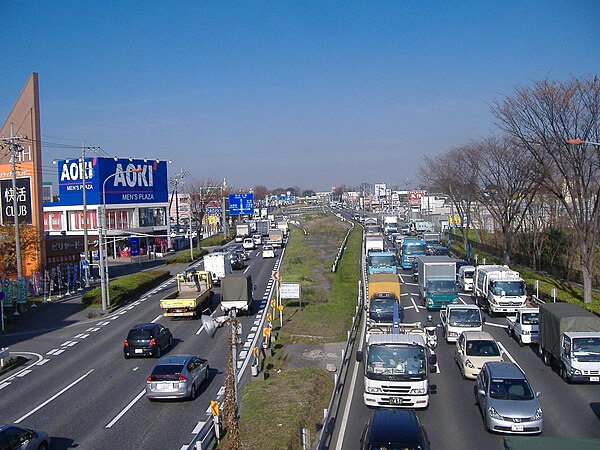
(394, 428)
(473, 349)
(177, 376)
(248, 244)
(242, 254)
(506, 399)
(257, 238)
(415, 270)
(147, 339)
(268, 251)
(239, 239)
(13, 437)
(237, 261)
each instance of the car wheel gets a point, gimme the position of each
(475, 395)
(563, 373)
(545, 357)
(193, 392)
(170, 341)
(206, 373)
(43, 446)
(158, 352)
(520, 340)
(126, 355)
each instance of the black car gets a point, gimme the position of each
(237, 261)
(147, 339)
(415, 270)
(394, 429)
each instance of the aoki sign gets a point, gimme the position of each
(121, 185)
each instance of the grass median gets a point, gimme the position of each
(273, 411)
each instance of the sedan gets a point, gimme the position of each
(177, 377)
(147, 339)
(268, 251)
(13, 437)
(473, 350)
(394, 429)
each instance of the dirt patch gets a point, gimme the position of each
(314, 355)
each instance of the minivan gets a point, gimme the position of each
(394, 428)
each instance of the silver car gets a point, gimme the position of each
(506, 399)
(15, 437)
(177, 376)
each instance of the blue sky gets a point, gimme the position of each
(309, 94)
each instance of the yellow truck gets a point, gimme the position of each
(193, 295)
(383, 299)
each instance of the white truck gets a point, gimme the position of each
(218, 264)
(458, 318)
(499, 289)
(396, 370)
(373, 243)
(524, 326)
(390, 224)
(569, 338)
(242, 229)
(421, 226)
(465, 278)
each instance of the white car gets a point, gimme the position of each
(473, 350)
(257, 238)
(268, 251)
(248, 244)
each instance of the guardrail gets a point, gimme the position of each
(343, 246)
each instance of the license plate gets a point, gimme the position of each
(516, 428)
(395, 400)
(164, 386)
(594, 378)
(138, 350)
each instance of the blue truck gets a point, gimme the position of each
(381, 262)
(411, 250)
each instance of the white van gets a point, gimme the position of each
(466, 275)
(248, 244)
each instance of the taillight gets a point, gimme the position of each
(149, 379)
(152, 341)
(125, 343)
(181, 378)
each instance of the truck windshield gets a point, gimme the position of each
(414, 249)
(382, 261)
(530, 318)
(382, 310)
(586, 349)
(392, 359)
(469, 274)
(441, 287)
(511, 389)
(468, 317)
(510, 288)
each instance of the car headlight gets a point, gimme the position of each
(469, 364)
(452, 333)
(575, 371)
(494, 414)
(429, 300)
(374, 390)
(525, 332)
(538, 414)
(418, 391)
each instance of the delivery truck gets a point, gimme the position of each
(193, 295)
(569, 339)
(236, 293)
(218, 264)
(437, 281)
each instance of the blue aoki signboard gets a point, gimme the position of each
(113, 177)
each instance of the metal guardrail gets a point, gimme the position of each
(343, 246)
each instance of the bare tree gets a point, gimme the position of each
(542, 117)
(260, 193)
(207, 194)
(452, 173)
(506, 181)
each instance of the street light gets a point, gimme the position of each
(102, 239)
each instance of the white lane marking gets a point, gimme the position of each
(58, 352)
(255, 329)
(156, 318)
(247, 344)
(55, 396)
(135, 368)
(200, 329)
(103, 324)
(221, 392)
(83, 336)
(247, 269)
(257, 322)
(95, 329)
(243, 354)
(412, 300)
(3, 385)
(89, 330)
(250, 336)
(498, 325)
(127, 408)
(509, 355)
(198, 427)
(42, 362)
(402, 295)
(23, 373)
(71, 344)
(52, 352)
(240, 364)
(64, 344)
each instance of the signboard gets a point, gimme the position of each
(289, 290)
(414, 197)
(216, 212)
(214, 408)
(240, 204)
(23, 194)
(121, 185)
(134, 246)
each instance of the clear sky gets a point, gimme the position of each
(311, 94)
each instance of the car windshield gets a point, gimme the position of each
(530, 318)
(139, 334)
(482, 348)
(396, 360)
(464, 317)
(586, 349)
(511, 389)
(414, 249)
(468, 274)
(510, 288)
(382, 309)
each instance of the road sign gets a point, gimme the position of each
(272, 304)
(240, 204)
(289, 290)
(275, 275)
(255, 351)
(214, 408)
(266, 332)
(269, 315)
(280, 307)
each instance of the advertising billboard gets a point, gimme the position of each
(119, 180)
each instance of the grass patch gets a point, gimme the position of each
(126, 288)
(183, 256)
(215, 240)
(281, 405)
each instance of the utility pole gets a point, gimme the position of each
(175, 182)
(224, 210)
(14, 147)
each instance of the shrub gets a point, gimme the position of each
(126, 288)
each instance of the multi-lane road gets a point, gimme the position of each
(78, 386)
(453, 421)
